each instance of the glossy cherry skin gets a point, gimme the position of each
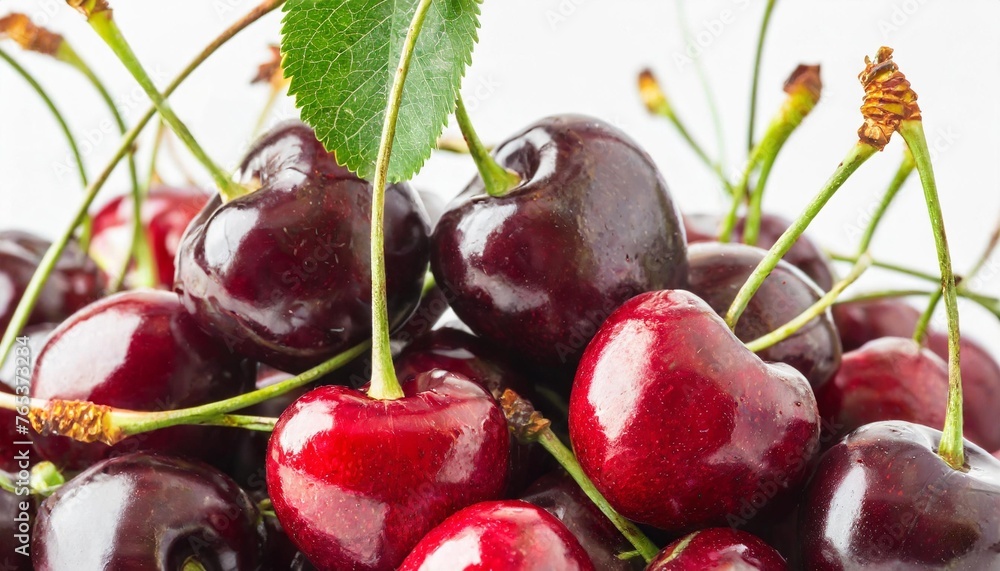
(509, 535)
(718, 549)
(356, 482)
(887, 379)
(166, 213)
(142, 511)
(562, 497)
(883, 499)
(17, 518)
(591, 224)
(16, 370)
(804, 254)
(718, 271)
(75, 281)
(138, 350)
(283, 273)
(680, 426)
(863, 321)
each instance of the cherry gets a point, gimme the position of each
(805, 254)
(558, 494)
(75, 281)
(356, 481)
(142, 511)
(536, 271)
(12, 372)
(883, 499)
(862, 321)
(166, 213)
(718, 549)
(17, 516)
(680, 426)
(887, 379)
(718, 271)
(137, 350)
(283, 273)
(510, 535)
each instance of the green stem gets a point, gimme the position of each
(713, 108)
(46, 479)
(568, 461)
(988, 303)
(192, 564)
(858, 154)
(920, 330)
(152, 176)
(139, 249)
(886, 266)
(51, 257)
(105, 26)
(952, 448)
(813, 311)
(902, 174)
(384, 384)
(63, 126)
(7, 483)
(272, 98)
(758, 57)
(497, 180)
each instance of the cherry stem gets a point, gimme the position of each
(657, 103)
(384, 384)
(46, 478)
(858, 154)
(886, 266)
(51, 257)
(951, 448)
(192, 564)
(713, 107)
(455, 145)
(63, 126)
(104, 24)
(813, 311)
(758, 58)
(272, 97)
(902, 175)
(139, 250)
(152, 176)
(924, 322)
(497, 180)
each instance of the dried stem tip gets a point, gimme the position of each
(652, 94)
(805, 79)
(90, 7)
(29, 36)
(524, 421)
(889, 99)
(270, 71)
(80, 420)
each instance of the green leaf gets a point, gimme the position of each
(341, 56)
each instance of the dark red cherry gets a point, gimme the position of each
(862, 321)
(718, 271)
(680, 426)
(142, 511)
(883, 499)
(75, 281)
(15, 378)
(356, 482)
(509, 535)
(718, 549)
(283, 273)
(17, 518)
(137, 350)
(886, 379)
(166, 213)
(562, 497)
(804, 255)
(591, 224)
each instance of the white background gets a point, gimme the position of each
(540, 57)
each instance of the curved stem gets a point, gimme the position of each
(105, 26)
(63, 126)
(497, 180)
(902, 174)
(886, 266)
(951, 448)
(706, 89)
(384, 384)
(139, 248)
(920, 330)
(48, 262)
(758, 57)
(858, 154)
(192, 564)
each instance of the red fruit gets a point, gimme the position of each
(356, 482)
(679, 425)
(166, 213)
(718, 549)
(862, 321)
(510, 535)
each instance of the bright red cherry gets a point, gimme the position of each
(509, 535)
(357, 482)
(137, 350)
(883, 499)
(537, 270)
(718, 549)
(680, 426)
(166, 213)
(862, 321)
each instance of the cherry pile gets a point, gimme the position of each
(232, 417)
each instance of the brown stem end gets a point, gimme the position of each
(80, 420)
(805, 79)
(888, 100)
(270, 71)
(652, 94)
(28, 35)
(90, 7)
(526, 423)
